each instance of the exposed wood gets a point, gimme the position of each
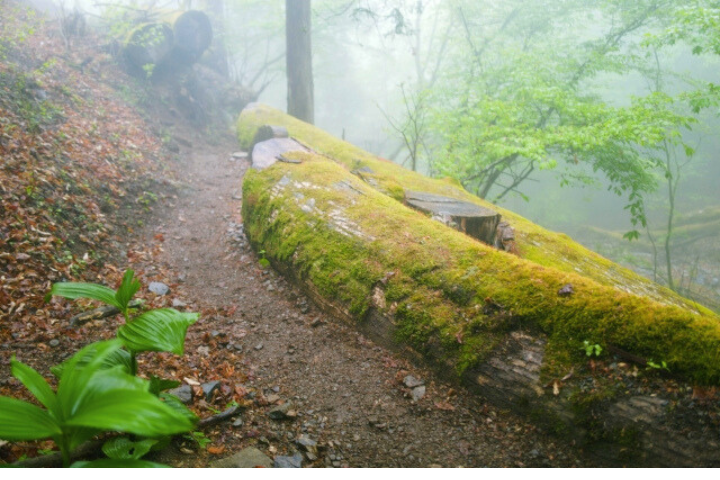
(98, 313)
(87, 449)
(220, 417)
(476, 221)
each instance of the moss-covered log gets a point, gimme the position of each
(516, 328)
(145, 46)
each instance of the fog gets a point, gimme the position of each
(594, 112)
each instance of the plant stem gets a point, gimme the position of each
(133, 363)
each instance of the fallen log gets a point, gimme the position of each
(510, 328)
(192, 35)
(99, 314)
(145, 46)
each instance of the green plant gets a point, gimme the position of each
(95, 393)
(591, 349)
(264, 262)
(199, 438)
(160, 330)
(657, 366)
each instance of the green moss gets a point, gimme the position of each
(454, 298)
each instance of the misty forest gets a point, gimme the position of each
(359, 233)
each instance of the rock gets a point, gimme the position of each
(418, 393)
(159, 288)
(271, 399)
(54, 342)
(184, 393)
(209, 388)
(412, 382)
(307, 444)
(283, 412)
(178, 303)
(240, 155)
(289, 462)
(238, 422)
(566, 290)
(259, 346)
(250, 457)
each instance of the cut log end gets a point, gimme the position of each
(476, 221)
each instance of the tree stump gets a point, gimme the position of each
(471, 219)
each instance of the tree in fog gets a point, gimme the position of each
(298, 30)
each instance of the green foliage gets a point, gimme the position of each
(591, 349)
(122, 448)
(199, 438)
(97, 388)
(161, 330)
(658, 366)
(90, 398)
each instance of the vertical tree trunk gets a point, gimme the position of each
(218, 57)
(299, 60)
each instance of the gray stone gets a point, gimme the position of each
(248, 458)
(289, 462)
(54, 342)
(418, 393)
(183, 392)
(259, 346)
(307, 444)
(209, 388)
(282, 412)
(412, 382)
(265, 154)
(158, 288)
(178, 303)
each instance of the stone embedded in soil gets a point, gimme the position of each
(209, 389)
(418, 393)
(184, 393)
(178, 303)
(307, 444)
(412, 382)
(283, 412)
(54, 342)
(159, 288)
(250, 457)
(259, 346)
(289, 462)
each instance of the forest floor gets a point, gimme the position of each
(92, 185)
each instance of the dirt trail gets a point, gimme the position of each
(348, 393)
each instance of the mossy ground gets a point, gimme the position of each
(449, 294)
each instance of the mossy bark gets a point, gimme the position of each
(498, 321)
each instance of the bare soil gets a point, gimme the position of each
(268, 345)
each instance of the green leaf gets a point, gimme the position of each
(174, 403)
(112, 463)
(37, 385)
(161, 330)
(158, 385)
(127, 290)
(122, 448)
(23, 421)
(74, 290)
(135, 412)
(118, 357)
(79, 372)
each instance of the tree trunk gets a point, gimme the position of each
(217, 55)
(299, 60)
